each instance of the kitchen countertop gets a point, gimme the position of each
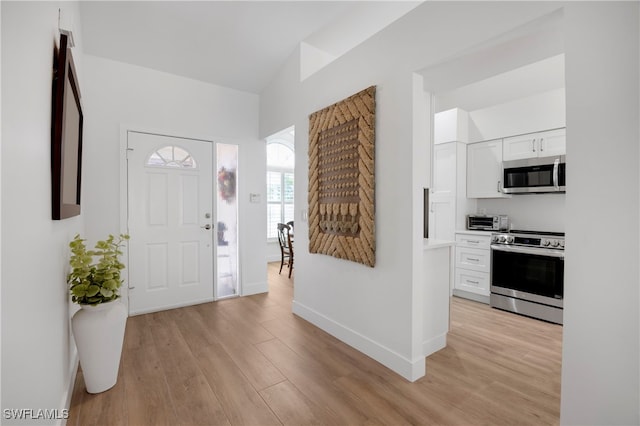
(430, 243)
(472, 232)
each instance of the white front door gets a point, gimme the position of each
(170, 222)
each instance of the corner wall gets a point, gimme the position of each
(38, 352)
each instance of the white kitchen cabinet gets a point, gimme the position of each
(472, 285)
(448, 204)
(484, 169)
(534, 145)
(442, 217)
(473, 258)
(445, 169)
(451, 126)
(473, 239)
(472, 276)
(553, 142)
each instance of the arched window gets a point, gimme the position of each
(280, 167)
(171, 156)
(280, 155)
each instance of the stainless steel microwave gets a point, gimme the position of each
(535, 175)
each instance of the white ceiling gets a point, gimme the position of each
(531, 79)
(236, 44)
(522, 62)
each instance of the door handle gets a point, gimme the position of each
(207, 227)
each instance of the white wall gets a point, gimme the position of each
(372, 308)
(510, 84)
(345, 297)
(533, 212)
(600, 382)
(530, 114)
(120, 94)
(38, 354)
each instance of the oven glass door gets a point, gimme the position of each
(524, 269)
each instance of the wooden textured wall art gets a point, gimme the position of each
(342, 179)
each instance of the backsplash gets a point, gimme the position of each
(535, 212)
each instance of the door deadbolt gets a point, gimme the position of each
(207, 227)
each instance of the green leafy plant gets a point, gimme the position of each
(92, 283)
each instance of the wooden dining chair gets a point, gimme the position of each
(286, 246)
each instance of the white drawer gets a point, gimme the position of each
(473, 258)
(476, 241)
(472, 281)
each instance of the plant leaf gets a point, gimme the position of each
(106, 292)
(93, 290)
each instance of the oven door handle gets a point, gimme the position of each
(529, 250)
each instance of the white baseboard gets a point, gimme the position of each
(471, 296)
(255, 288)
(170, 306)
(66, 397)
(410, 370)
(434, 345)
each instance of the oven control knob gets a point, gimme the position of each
(546, 243)
(502, 239)
(510, 239)
(561, 243)
(554, 243)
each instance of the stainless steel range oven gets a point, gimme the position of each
(527, 273)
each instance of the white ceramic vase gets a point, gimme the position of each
(99, 334)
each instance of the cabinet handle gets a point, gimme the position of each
(473, 282)
(498, 187)
(541, 145)
(473, 241)
(432, 210)
(473, 259)
(533, 145)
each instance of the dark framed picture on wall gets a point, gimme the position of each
(66, 134)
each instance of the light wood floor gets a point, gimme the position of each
(250, 361)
